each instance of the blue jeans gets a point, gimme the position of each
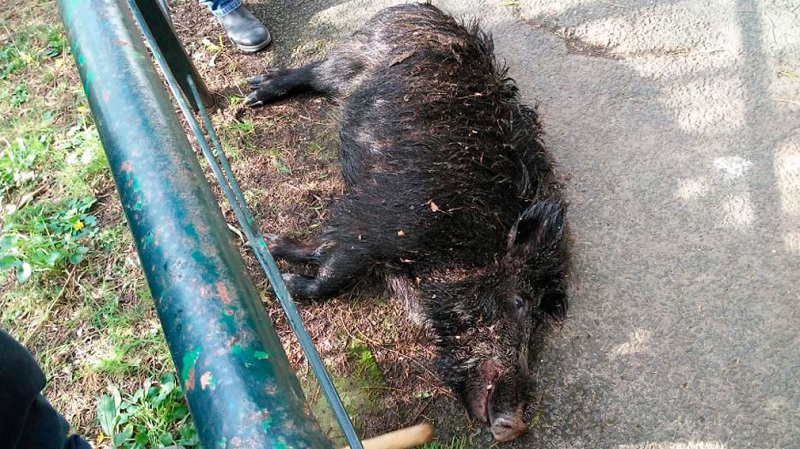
(221, 7)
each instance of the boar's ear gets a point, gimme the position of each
(554, 303)
(540, 227)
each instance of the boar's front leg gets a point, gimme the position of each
(309, 251)
(333, 77)
(342, 268)
(279, 83)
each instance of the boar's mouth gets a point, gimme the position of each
(508, 425)
(505, 425)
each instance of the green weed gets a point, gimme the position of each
(56, 43)
(80, 156)
(324, 147)
(276, 154)
(234, 100)
(129, 346)
(19, 95)
(20, 305)
(236, 136)
(153, 416)
(245, 126)
(454, 443)
(12, 60)
(16, 165)
(358, 391)
(45, 237)
(366, 368)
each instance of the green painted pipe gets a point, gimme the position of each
(238, 382)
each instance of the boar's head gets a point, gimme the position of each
(484, 321)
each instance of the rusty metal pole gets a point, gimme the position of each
(238, 382)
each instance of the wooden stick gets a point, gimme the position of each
(401, 439)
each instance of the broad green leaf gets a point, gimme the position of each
(75, 258)
(107, 414)
(127, 432)
(8, 261)
(141, 439)
(165, 439)
(117, 397)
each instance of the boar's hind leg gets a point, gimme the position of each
(311, 251)
(342, 269)
(278, 83)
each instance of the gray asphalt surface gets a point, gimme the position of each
(677, 127)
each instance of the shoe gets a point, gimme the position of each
(246, 32)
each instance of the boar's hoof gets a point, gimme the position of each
(506, 428)
(253, 101)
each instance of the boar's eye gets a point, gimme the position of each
(519, 304)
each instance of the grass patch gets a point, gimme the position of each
(129, 346)
(323, 147)
(19, 306)
(17, 162)
(235, 136)
(365, 367)
(358, 390)
(72, 289)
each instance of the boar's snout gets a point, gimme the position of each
(506, 427)
(499, 400)
(506, 410)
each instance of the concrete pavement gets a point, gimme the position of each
(677, 127)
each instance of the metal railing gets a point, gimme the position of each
(237, 379)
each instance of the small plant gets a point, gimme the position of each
(56, 41)
(45, 237)
(12, 60)
(455, 443)
(154, 416)
(19, 96)
(16, 164)
(276, 154)
(245, 126)
(83, 155)
(366, 367)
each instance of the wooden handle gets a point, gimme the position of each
(401, 439)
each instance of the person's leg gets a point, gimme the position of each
(242, 27)
(27, 420)
(221, 7)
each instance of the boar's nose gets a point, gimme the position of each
(507, 427)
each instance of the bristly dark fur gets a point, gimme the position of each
(447, 185)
